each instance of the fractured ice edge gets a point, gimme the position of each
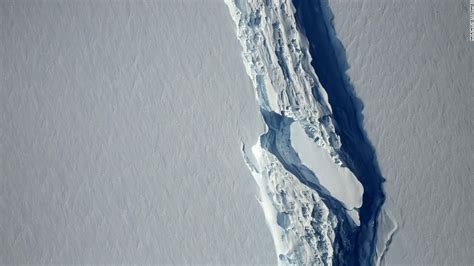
(310, 196)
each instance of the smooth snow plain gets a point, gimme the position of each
(121, 125)
(412, 66)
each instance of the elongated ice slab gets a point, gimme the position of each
(339, 181)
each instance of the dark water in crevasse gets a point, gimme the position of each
(329, 62)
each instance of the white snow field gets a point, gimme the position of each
(412, 67)
(120, 132)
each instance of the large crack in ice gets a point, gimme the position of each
(310, 196)
(314, 18)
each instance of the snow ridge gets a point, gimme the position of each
(311, 208)
(278, 62)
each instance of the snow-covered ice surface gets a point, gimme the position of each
(412, 67)
(120, 131)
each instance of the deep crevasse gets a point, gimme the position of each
(311, 206)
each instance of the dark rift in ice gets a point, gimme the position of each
(320, 189)
(314, 18)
